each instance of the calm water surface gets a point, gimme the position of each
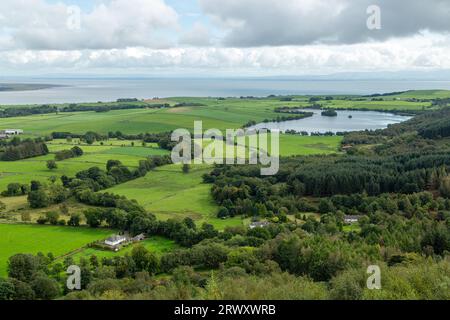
(361, 120)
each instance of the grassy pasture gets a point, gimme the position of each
(291, 145)
(397, 105)
(140, 121)
(423, 94)
(35, 238)
(169, 193)
(24, 171)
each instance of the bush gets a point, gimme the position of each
(51, 165)
(75, 220)
(24, 267)
(7, 290)
(45, 288)
(15, 189)
(42, 220)
(52, 217)
(38, 199)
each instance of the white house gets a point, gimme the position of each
(115, 240)
(11, 132)
(261, 224)
(351, 219)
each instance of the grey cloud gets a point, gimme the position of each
(197, 36)
(298, 22)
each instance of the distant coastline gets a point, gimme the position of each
(10, 87)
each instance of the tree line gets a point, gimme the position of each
(24, 149)
(99, 107)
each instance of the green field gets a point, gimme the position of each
(35, 238)
(397, 105)
(24, 171)
(231, 115)
(351, 228)
(169, 193)
(423, 94)
(291, 145)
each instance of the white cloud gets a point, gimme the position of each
(36, 24)
(419, 52)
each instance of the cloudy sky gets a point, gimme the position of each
(222, 37)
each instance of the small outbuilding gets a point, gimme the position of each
(139, 238)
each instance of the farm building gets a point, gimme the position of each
(116, 240)
(351, 219)
(138, 238)
(260, 224)
(11, 132)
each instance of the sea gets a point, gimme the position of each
(76, 90)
